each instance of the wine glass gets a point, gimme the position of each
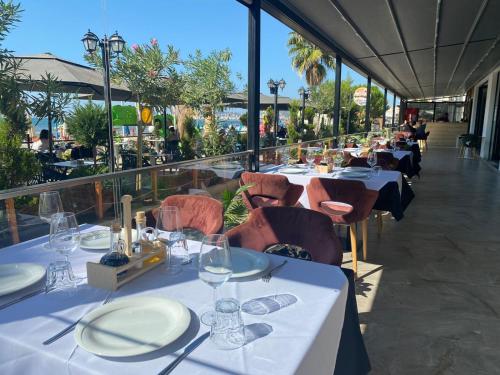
(215, 266)
(49, 203)
(310, 157)
(169, 231)
(64, 238)
(285, 156)
(372, 159)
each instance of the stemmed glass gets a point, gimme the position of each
(49, 203)
(215, 266)
(64, 238)
(372, 159)
(169, 231)
(310, 157)
(285, 156)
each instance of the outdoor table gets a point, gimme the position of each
(394, 192)
(300, 339)
(74, 164)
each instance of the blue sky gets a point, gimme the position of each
(57, 26)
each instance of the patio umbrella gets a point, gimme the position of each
(240, 100)
(75, 78)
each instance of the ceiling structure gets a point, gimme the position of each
(416, 48)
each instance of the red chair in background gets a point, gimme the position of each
(269, 190)
(268, 226)
(347, 203)
(358, 162)
(198, 212)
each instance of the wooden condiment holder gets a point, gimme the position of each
(324, 168)
(111, 278)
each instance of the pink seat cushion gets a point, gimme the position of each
(336, 208)
(261, 201)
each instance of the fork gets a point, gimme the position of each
(267, 277)
(70, 328)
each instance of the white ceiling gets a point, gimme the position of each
(418, 48)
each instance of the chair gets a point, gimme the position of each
(347, 202)
(267, 226)
(358, 162)
(387, 161)
(198, 212)
(269, 190)
(423, 142)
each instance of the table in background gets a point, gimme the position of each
(304, 337)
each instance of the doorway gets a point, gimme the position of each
(480, 110)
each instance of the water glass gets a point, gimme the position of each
(169, 227)
(372, 159)
(64, 238)
(376, 170)
(228, 331)
(178, 254)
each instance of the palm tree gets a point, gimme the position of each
(309, 59)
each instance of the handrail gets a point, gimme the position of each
(36, 189)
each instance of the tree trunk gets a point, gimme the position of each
(94, 155)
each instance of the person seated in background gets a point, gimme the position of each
(172, 135)
(282, 132)
(420, 132)
(42, 145)
(406, 127)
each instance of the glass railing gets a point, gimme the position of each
(96, 199)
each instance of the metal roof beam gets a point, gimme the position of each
(363, 38)
(436, 41)
(467, 39)
(403, 43)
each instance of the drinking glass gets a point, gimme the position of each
(64, 238)
(228, 331)
(49, 203)
(214, 266)
(310, 157)
(169, 231)
(372, 159)
(285, 156)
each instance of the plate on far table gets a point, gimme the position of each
(17, 276)
(357, 169)
(247, 262)
(227, 165)
(354, 174)
(291, 170)
(98, 239)
(132, 326)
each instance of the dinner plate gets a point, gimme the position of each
(17, 276)
(247, 262)
(354, 174)
(98, 239)
(357, 169)
(291, 170)
(132, 326)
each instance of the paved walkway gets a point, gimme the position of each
(429, 295)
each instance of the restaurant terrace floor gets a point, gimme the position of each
(428, 296)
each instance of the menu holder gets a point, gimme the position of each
(324, 168)
(112, 278)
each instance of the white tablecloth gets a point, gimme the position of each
(372, 183)
(303, 337)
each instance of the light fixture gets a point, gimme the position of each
(116, 43)
(90, 41)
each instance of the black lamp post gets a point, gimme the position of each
(305, 95)
(110, 47)
(273, 89)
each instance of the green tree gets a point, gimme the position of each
(50, 101)
(88, 125)
(309, 59)
(323, 97)
(376, 103)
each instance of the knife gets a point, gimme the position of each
(22, 298)
(189, 349)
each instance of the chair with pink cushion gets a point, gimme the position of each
(269, 190)
(199, 212)
(268, 226)
(346, 202)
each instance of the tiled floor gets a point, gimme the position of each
(429, 293)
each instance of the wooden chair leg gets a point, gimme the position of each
(354, 247)
(380, 223)
(364, 230)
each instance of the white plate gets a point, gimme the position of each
(17, 276)
(357, 169)
(227, 165)
(98, 239)
(247, 262)
(353, 174)
(291, 170)
(132, 326)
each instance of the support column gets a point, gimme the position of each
(253, 82)
(368, 101)
(393, 109)
(336, 102)
(385, 105)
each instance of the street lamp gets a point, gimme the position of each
(273, 89)
(110, 47)
(305, 95)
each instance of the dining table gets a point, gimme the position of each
(394, 192)
(302, 338)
